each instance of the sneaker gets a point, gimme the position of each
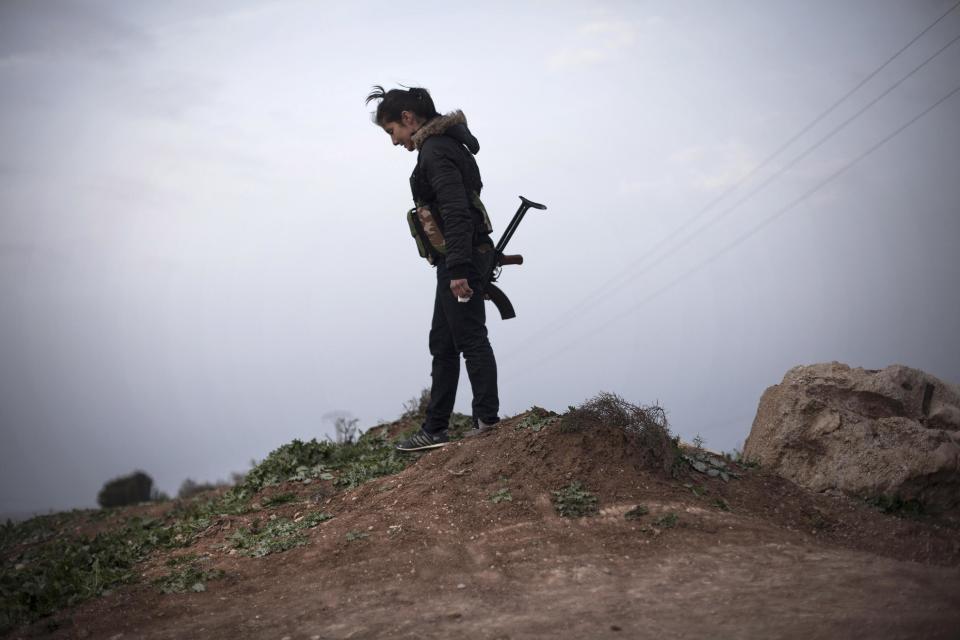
(423, 440)
(481, 428)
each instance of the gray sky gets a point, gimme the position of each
(203, 249)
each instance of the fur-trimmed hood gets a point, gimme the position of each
(452, 124)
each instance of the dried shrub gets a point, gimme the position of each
(416, 407)
(646, 424)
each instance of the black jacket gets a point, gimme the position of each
(445, 177)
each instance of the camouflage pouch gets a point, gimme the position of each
(426, 232)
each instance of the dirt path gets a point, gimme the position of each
(684, 583)
(775, 591)
(734, 592)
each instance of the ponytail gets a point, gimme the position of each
(417, 100)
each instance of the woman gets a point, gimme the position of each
(453, 232)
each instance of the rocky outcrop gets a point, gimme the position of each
(893, 433)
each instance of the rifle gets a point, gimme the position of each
(493, 292)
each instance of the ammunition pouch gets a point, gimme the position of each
(427, 233)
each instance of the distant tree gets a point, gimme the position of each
(131, 489)
(346, 429)
(344, 426)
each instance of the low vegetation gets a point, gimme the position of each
(278, 500)
(536, 420)
(275, 535)
(667, 520)
(721, 504)
(637, 512)
(52, 562)
(348, 464)
(44, 569)
(574, 501)
(188, 575)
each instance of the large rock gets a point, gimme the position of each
(891, 433)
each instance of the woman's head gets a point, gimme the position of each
(401, 112)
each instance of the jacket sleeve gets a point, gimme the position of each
(444, 175)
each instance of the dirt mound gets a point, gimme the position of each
(614, 465)
(467, 542)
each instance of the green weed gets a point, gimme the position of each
(276, 535)
(314, 518)
(39, 579)
(502, 495)
(40, 528)
(667, 520)
(177, 561)
(574, 501)
(190, 578)
(43, 569)
(536, 420)
(348, 464)
(697, 489)
(278, 500)
(637, 512)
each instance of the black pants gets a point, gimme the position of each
(460, 327)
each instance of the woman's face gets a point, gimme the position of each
(401, 133)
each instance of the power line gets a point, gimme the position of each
(807, 151)
(618, 279)
(753, 230)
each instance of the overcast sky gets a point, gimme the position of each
(203, 250)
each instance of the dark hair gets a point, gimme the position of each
(417, 100)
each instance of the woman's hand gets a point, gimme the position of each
(461, 288)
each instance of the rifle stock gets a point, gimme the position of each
(493, 292)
